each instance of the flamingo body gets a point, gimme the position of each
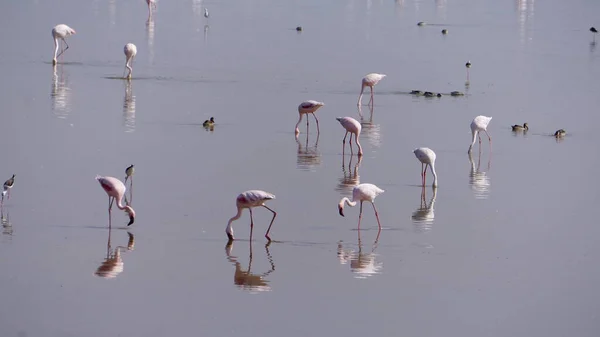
(61, 32)
(308, 107)
(249, 200)
(362, 192)
(130, 51)
(115, 189)
(479, 123)
(370, 80)
(352, 126)
(427, 158)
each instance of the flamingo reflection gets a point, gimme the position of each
(150, 39)
(479, 181)
(129, 108)
(113, 263)
(7, 228)
(350, 176)
(245, 279)
(60, 93)
(424, 216)
(370, 131)
(308, 157)
(362, 263)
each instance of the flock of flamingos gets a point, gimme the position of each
(115, 188)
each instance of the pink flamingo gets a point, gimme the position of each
(305, 108)
(479, 123)
(115, 190)
(130, 51)
(249, 200)
(353, 126)
(60, 32)
(427, 158)
(369, 80)
(362, 192)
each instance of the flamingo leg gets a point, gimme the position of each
(65, 49)
(307, 124)
(251, 223)
(350, 143)
(425, 175)
(271, 224)
(317, 120)
(376, 215)
(422, 174)
(344, 143)
(110, 202)
(371, 100)
(489, 138)
(360, 214)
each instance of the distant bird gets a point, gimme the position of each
(480, 123)
(444, 31)
(594, 32)
(151, 5)
(558, 134)
(208, 123)
(206, 13)
(130, 51)
(115, 190)
(421, 23)
(8, 185)
(60, 32)
(427, 158)
(468, 65)
(362, 192)
(129, 171)
(352, 126)
(517, 127)
(370, 81)
(305, 108)
(299, 28)
(457, 93)
(249, 200)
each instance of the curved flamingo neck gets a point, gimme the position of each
(348, 202)
(435, 178)
(229, 229)
(55, 48)
(298, 124)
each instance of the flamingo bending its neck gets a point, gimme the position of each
(352, 126)
(130, 51)
(305, 108)
(60, 32)
(115, 189)
(479, 123)
(427, 158)
(249, 200)
(362, 192)
(370, 81)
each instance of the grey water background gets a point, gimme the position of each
(506, 246)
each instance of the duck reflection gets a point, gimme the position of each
(370, 131)
(308, 157)
(7, 228)
(60, 93)
(479, 181)
(424, 216)
(245, 279)
(350, 176)
(113, 263)
(129, 108)
(150, 38)
(362, 263)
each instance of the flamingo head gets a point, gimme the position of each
(341, 208)
(131, 215)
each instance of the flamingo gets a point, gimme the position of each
(305, 108)
(362, 192)
(129, 171)
(60, 32)
(8, 185)
(116, 190)
(480, 123)
(249, 200)
(468, 65)
(130, 51)
(427, 158)
(369, 80)
(353, 126)
(151, 5)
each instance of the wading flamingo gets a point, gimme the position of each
(130, 51)
(8, 185)
(249, 200)
(479, 123)
(369, 80)
(427, 158)
(115, 190)
(353, 126)
(305, 108)
(362, 192)
(60, 32)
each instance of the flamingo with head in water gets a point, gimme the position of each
(305, 108)
(249, 200)
(362, 192)
(130, 51)
(479, 123)
(60, 32)
(370, 81)
(427, 158)
(116, 191)
(352, 126)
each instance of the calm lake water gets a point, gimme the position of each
(506, 246)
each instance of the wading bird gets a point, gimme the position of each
(129, 171)
(559, 133)
(130, 51)
(362, 192)
(249, 200)
(468, 65)
(352, 126)
(305, 108)
(206, 13)
(427, 158)
(209, 123)
(115, 190)
(8, 185)
(518, 127)
(480, 123)
(370, 81)
(60, 32)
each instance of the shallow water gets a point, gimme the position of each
(505, 246)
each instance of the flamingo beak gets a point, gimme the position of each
(341, 210)
(131, 219)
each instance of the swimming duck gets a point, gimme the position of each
(209, 123)
(456, 93)
(444, 31)
(421, 23)
(560, 133)
(416, 92)
(523, 127)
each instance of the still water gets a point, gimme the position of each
(506, 246)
